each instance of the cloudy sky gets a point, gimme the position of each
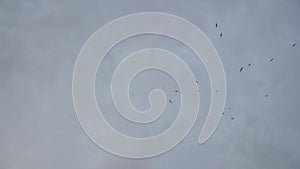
(39, 44)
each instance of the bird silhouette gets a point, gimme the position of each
(170, 101)
(221, 34)
(271, 59)
(216, 24)
(249, 64)
(241, 69)
(294, 45)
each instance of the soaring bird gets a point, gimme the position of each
(241, 69)
(294, 45)
(271, 59)
(221, 34)
(216, 24)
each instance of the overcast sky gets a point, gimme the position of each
(39, 44)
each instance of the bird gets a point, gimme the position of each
(271, 59)
(249, 64)
(216, 24)
(229, 108)
(294, 45)
(176, 91)
(241, 69)
(221, 34)
(170, 101)
(197, 81)
(232, 118)
(266, 95)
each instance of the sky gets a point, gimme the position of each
(40, 42)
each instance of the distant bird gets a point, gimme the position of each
(176, 91)
(266, 95)
(221, 34)
(271, 59)
(197, 81)
(229, 108)
(232, 118)
(241, 69)
(294, 45)
(216, 24)
(223, 112)
(216, 90)
(170, 101)
(249, 64)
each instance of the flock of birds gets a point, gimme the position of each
(241, 69)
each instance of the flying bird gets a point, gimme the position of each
(216, 24)
(249, 64)
(232, 118)
(197, 81)
(221, 34)
(170, 101)
(241, 69)
(176, 91)
(271, 59)
(266, 95)
(294, 45)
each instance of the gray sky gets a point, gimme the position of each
(39, 44)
